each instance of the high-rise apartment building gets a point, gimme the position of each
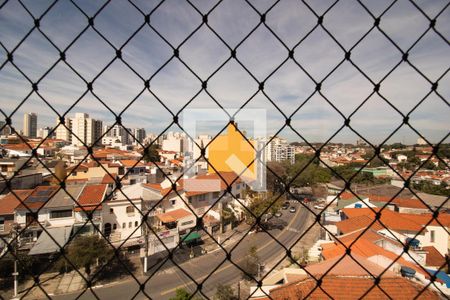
(63, 130)
(278, 150)
(30, 125)
(45, 132)
(85, 130)
(80, 130)
(139, 135)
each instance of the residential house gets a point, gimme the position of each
(132, 171)
(88, 210)
(9, 166)
(122, 215)
(8, 204)
(28, 213)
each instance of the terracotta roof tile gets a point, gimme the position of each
(352, 288)
(390, 219)
(433, 258)
(109, 178)
(91, 196)
(173, 215)
(131, 163)
(9, 203)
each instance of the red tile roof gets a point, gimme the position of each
(91, 196)
(433, 258)
(338, 287)
(174, 215)
(366, 249)
(131, 163)
(9, 203)
(109, 178)
(348, 266)
(390, 219)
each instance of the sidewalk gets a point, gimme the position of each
(226, 238)
(52, 283)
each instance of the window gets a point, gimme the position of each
(130, 209)
(2, 224)
(114, 226)
(173, 202)
(57, 214)
(111, 210)
(187, 222)
(124, 225)
(136, 224)
(201, 197)
(216, 195)
(431, 236)
(130, 224)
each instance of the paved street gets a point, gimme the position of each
(162, 284)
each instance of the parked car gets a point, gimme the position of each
(275, 224)
(292, 209)
(321, 207)
(278, 214)
(285, 205)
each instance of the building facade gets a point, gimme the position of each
(30, 125)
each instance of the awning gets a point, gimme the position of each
(191, 237)
(441, 275)
(45, 243)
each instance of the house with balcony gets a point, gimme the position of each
(28, 213)
(58, 216)
(132, 171)
(122, 215)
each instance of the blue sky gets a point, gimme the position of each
(232, 86)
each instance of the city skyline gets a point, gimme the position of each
(289, 86)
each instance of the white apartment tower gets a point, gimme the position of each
(63, 130)
(279, 150)
(30, 125)
(80, 130)
(85, 130)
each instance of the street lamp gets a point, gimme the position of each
(15, 239)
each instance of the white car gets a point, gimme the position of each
(321, 207)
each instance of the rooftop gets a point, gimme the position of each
(9, 203)
(92, 196)
(343, 287)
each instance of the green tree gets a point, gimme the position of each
(250, 264)
(151, 154)
(275, 171)
(225, 292)
(84, 251)
(261, 204)
(181, 294)
(311, 175)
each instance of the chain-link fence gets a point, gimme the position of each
(100, 56)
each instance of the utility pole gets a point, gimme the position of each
(146, 245)
(16, 228)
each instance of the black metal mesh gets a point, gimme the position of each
(114, 51)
